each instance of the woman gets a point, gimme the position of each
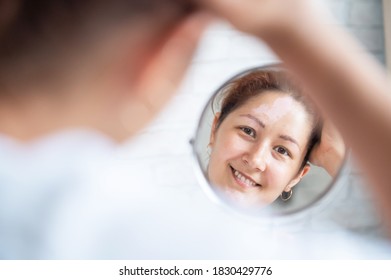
(262, 138)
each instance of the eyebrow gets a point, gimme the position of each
(258, 121)
(290, 139)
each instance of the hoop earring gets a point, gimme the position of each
(285, 196)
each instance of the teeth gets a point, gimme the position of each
(244, 179)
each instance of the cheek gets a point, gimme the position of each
(228, 146)
(226, 149)
(279, 175)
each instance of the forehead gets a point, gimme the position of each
(274, 105)
(278, 111)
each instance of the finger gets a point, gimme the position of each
(237, 12)
(224, 8)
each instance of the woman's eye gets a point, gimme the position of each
(249, 131)
(282, 150)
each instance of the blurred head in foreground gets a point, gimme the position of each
(105, 65)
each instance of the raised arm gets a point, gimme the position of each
(348, 85)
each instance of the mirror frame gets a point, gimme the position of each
(264, 213)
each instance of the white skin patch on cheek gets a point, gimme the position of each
(277, 110)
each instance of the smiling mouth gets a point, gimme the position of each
(242, 179)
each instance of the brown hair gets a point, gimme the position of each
(35, 34)
(237, 92)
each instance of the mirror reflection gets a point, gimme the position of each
(262, 142)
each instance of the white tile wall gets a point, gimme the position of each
(365, 13)
(365, 21)
(163, 148)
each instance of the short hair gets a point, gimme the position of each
(38, 32)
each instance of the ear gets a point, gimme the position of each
(160, 75)
(298, 177)
(213, 129)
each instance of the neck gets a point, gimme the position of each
(31, 119)
(29, 115)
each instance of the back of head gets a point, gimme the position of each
(71, 63)
(40, 40)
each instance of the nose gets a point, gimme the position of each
(257, 158)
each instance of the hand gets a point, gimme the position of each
(266, 18)
(330, 151)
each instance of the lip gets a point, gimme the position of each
(241, 183)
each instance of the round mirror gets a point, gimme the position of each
(262, 146)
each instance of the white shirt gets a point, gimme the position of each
(70, 196)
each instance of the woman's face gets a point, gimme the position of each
(258, 149)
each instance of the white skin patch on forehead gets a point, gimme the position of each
(278, 109)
